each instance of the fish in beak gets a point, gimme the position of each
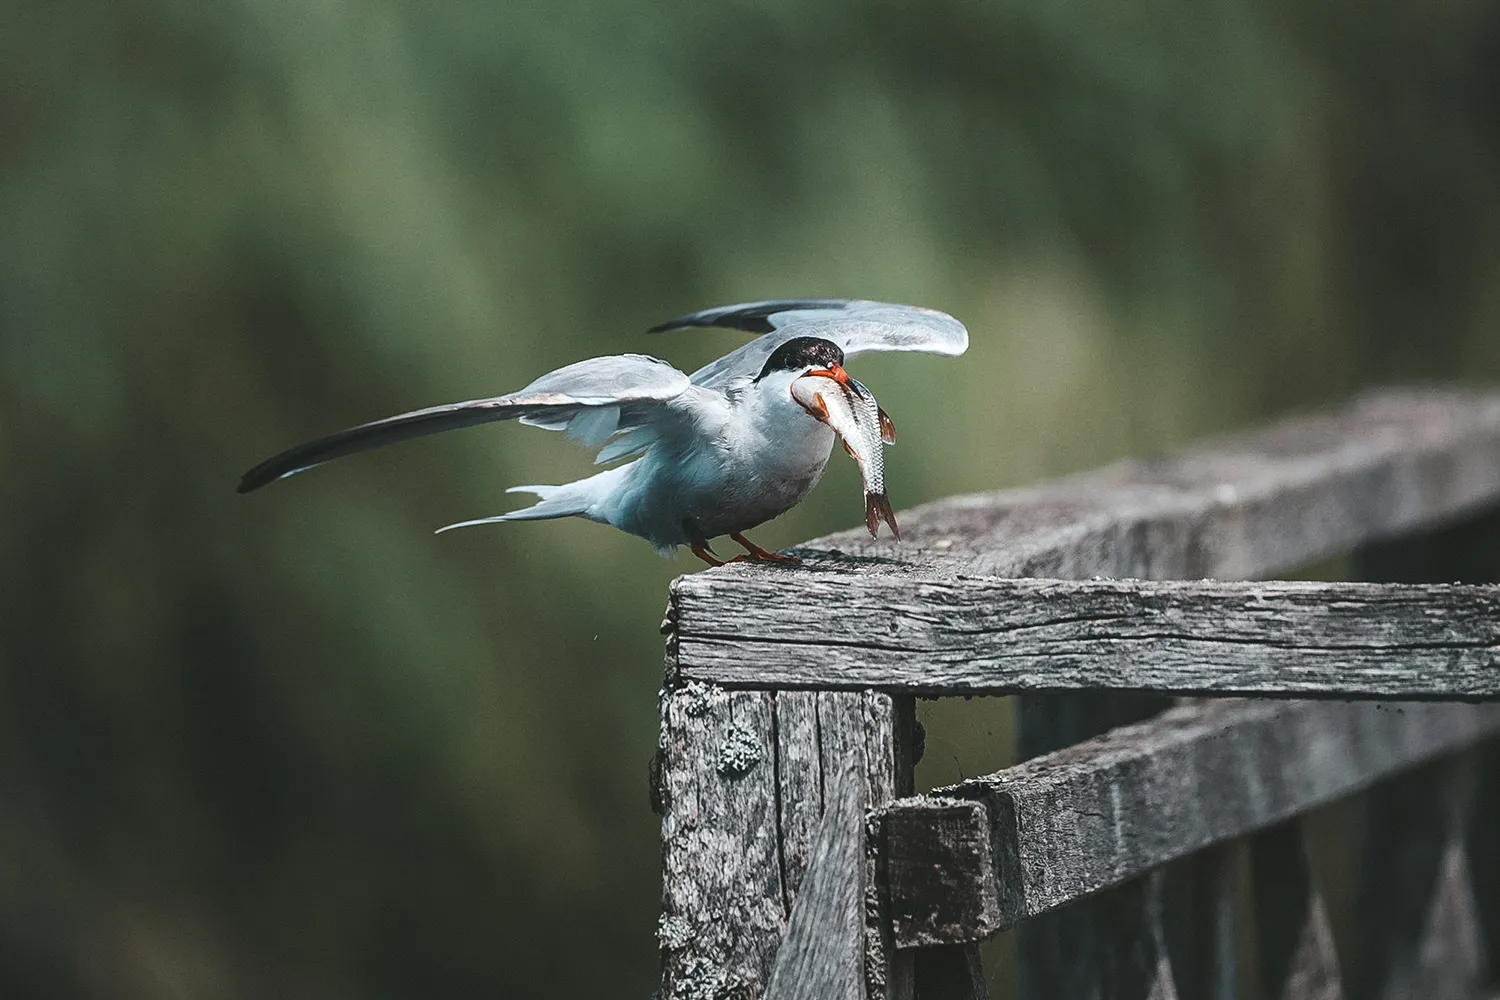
(841, 402)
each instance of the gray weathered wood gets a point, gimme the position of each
(1293, 937)
(1123, 957)
(1077, 950)
(800, 781)
(958, 869)
(818, 960)
(1419, 921)
(1428, 871)
(868, 734)
(723, 902)
(743, 781)
(1092, 816)
(1246, 506)
(1239, 507)
(995, 636)
(1200, 918)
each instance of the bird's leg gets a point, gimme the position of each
(702, 551)
(758, 554)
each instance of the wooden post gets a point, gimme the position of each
(1420, 918)
(1199, 913)
(745, 768)
(1294, 941)
(1111, 946)
(1418, 915)
(743, 779)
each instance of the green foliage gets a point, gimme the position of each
(293, 745)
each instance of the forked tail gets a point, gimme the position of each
(877, 509)
(569, 500)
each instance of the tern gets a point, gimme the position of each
(718, 452)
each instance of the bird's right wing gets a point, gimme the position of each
(591, 400)
(858, 326)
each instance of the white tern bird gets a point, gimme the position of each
(715, 453)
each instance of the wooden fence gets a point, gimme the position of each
(1152, 842)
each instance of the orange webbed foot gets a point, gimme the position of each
(754, 553)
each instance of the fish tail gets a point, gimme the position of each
(877, 509)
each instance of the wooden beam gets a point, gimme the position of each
(992, 636)
(1096, 815)
(1241, 506)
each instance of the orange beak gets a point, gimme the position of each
(834, 372)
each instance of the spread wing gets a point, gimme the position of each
(858, 326)
(590, 400)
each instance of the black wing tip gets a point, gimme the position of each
(269, 471)
(255, 479)
(713, 317)
(754, 317)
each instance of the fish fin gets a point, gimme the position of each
(848, 450)
(887, 427)
(878, 508)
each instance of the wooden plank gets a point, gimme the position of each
(959, 869)
(742, 782)
(1428, 869)
(817, 960)
(1420, 934)
(867, 735)
(799, 779)
(1125, 958)
(723, 902)
(1243, 507)
(1293, 936)
(1238, 507)
(1078, 950)
(1293, 639)
(1095, 815)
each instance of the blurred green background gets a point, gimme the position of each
(291, 744)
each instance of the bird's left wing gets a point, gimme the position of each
(590, 399)
(858, 326)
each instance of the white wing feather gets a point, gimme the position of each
(590, 399)
(858, 326)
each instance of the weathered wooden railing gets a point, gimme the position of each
(798, 863)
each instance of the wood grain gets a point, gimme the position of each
(1093, 816)
(932, 614)
(1294, 639)
(723, 901)
(744, 784)
(1114, 942)
(818, 959)
(1241, 506)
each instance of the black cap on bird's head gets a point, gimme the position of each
(802, 353)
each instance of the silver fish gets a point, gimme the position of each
(852, 412)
